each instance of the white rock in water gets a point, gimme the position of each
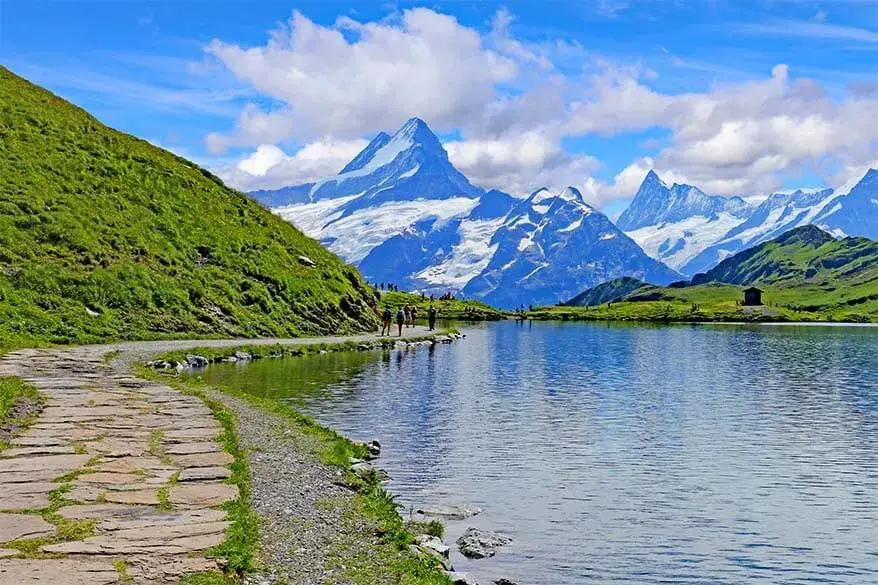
(461, 512)
(460, 578)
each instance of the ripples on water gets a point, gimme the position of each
(624, 454)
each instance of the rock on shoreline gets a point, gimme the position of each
(458, 512)
(480, 544)
(192, 361)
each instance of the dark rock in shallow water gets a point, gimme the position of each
(197, 361)
(504, 582)
(480, 544)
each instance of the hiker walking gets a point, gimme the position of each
(431, 317)
(400, 319)
(386, 319)
(414, 313)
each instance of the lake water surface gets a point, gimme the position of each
(623, 454)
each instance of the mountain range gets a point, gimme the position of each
(693, 232)
(402, 213)
(805, 274)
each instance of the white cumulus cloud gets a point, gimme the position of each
(269, 167)
(329, 87)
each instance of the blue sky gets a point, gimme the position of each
(526, 93)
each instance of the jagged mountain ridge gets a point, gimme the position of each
(402, 213)
(779, 213)
(552, 246)
(655, 203)
(693, 232)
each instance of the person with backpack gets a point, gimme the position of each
(400, 319)
(386, 319)
(431, 317)
(414, 314)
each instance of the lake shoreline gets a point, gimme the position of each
(266, 426)
(359, 519)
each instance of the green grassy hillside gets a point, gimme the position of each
(800, 256)
(806, 275)
(104, 236)
(607, 291)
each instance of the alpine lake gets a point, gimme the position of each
(616, 453)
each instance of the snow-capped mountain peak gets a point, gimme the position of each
(778, 213)
(367, 154)
(409, 164)
(674, 224)
(553, 243)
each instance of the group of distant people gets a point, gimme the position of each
(388, 286)
(405, 317)
(391, 287)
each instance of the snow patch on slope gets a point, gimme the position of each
(353, 236)
(468, 258)
(677, 243)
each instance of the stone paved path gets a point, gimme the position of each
(136, 459)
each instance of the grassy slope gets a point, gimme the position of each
(805, 275)
(453, 309)
(104, 236)
(607, 291)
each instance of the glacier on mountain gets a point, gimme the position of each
(553, 246)
(676, 223)
(402, 213)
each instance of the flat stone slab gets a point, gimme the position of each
(203, 473)
(152, 519)
(148, 497)
(216, 459)
(192, 448)
(100, 511)
(195, 433)
(25, 496)
(18, 526)
(104, 478)
(147, 463)
(202, 495)
(57, 572)
(26, 441)
(45, 450)
(171, 539)
(60, 463)
(42, 475)
(118, 447)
